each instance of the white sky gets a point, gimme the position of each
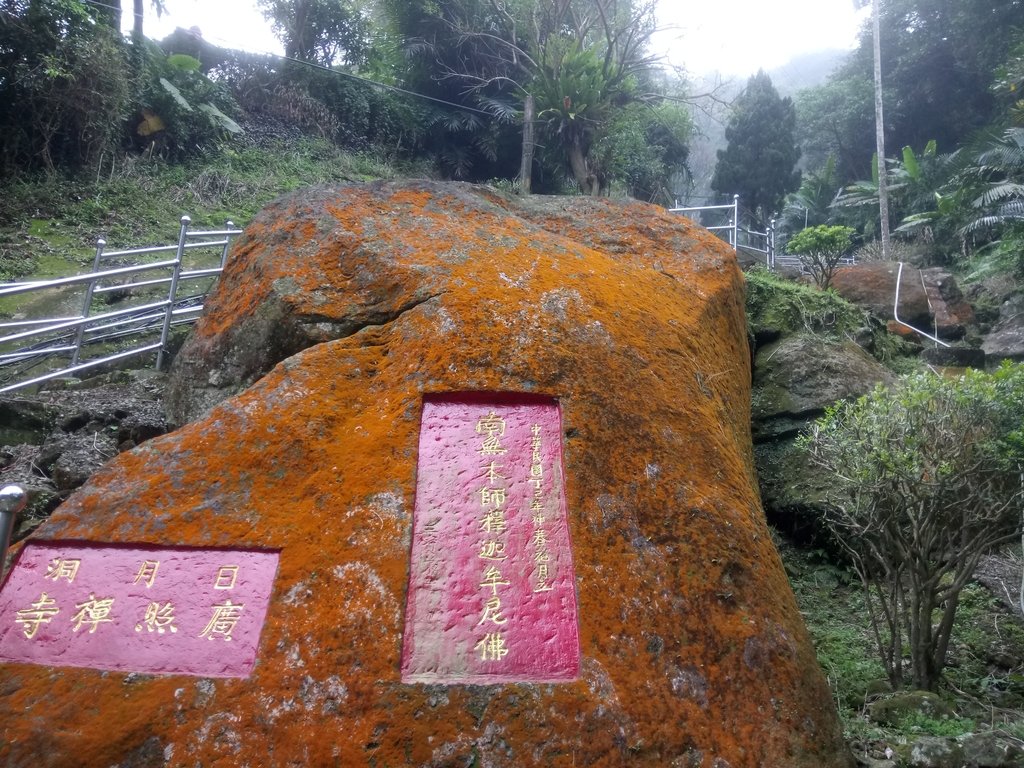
(735, 37)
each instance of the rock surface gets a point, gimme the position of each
(693, 651)
(872, 285)
(795, 380)
(1006, 340)
(53, 441)
(930, 299)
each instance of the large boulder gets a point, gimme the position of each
(930, 299)
(795, 379)
(872, 285)
(691, 649)
(1006, 339)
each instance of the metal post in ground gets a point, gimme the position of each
(227, 245)
(735, 222)
(172, 293)
(87, 303)
(12, 501)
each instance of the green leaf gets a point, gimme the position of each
(910, 163)
(183, 62)
(221, 119)
(176, 94)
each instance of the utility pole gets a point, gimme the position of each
(526, 163)
(883, 186)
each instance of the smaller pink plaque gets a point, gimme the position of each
(137, 609)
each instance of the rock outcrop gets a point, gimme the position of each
(795, 380)
(1006, 339)
(339, 310)
(930, 299)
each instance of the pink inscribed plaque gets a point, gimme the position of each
(492, 595)
(136, 609)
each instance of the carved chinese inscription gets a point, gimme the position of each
(139, 609)
(491, 589)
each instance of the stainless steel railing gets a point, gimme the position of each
(135, 330)
(896, 312)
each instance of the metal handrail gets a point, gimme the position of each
(734, 229)
(62, 335)
(60, 282)
(731, 227)
(896, 312)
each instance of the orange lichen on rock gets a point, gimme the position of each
(345, 306)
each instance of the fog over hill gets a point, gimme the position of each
(804, 71)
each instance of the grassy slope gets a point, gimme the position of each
(49, 225)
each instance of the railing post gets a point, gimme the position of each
(87, 303)
(12, 501)
(227, 245)
(770, 245)
(735, 222)
(172, 293)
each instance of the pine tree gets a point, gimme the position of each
(758, 163)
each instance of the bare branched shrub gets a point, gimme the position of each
(924, 480)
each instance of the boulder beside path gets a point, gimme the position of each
(600, 351)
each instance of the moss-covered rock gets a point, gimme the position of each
(691, 642)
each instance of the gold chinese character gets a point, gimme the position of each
(492, 647)
(491, 424)
(92, 611)
(536, 505)
(493, 579)
(159, 619)
(536, 470)
(492, 497)
(62, 568)
(492, 427)
(226, 576)
(491, 447)
(147, 573)
(538, 519)
(493, 521)
(492, 550)
(542, 579)
(535, 429)
(540, 537)
(541, 556)
(491, 473)
(40, 612)
(492, 612)
(223, 621)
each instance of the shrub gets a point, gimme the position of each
(926, 478)
(64, 86)
(820, 248)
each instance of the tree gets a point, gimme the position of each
(939, 57)
(835, 120)
(820, 248)
(925, 479)
(326, 32)
(138, 16)
(581, 60)
(811, 204)
(64, 86)
(758, 162)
